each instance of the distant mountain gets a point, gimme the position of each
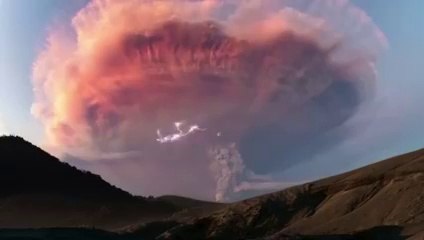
(38, 190)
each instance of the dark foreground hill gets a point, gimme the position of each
(37, 190)
(381, 201)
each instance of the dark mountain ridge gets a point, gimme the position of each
(38, 190)
(383, 201)
(26, 168)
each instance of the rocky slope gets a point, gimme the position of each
(384, 199)
(380, 201)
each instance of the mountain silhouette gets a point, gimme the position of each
(38, 190)
(383, 201)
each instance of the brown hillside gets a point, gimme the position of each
(382, 196)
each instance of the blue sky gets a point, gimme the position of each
(23, 27)
(389, 125)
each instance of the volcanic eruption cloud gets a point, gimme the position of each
(204, 98)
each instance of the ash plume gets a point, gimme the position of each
(261, 76)
(232, 176)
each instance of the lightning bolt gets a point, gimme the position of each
(179, 134)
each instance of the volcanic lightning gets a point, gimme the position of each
(179, 134)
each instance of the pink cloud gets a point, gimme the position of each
(137, 66)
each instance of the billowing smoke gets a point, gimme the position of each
(232, 176)
(271, 82)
